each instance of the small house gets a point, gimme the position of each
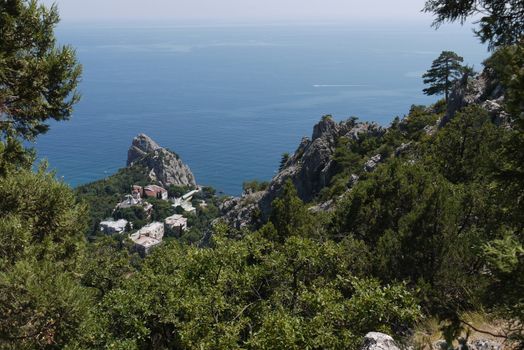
(177, 223)
(111, 226)
(155, 192)
(148, 237)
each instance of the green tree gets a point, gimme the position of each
(418, 228)
(468, 147)
(283, 161)
(254, 186)
(504, 259)
(289, 215)
(444, 71)
(51, 224)
(41, 249)
(42, 306)
(38, 79)
(177, 191)
(501, 21)
(250, 293)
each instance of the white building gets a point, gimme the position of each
(129, 201)
(188, 196)
(176, 222)
(144, 244)
(148, 237)
(153, 230)
(186, 205)
(111, 226)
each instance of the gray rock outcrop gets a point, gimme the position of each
(484, 344)
(480, 90)
(310, 168)
(239, 211)
(163, 165)
(140, 147)
(378, 341)
(372, 163)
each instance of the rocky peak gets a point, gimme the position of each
(163, 165)
(477, 89)
(310, 168)
(326, 127)
(141, 145)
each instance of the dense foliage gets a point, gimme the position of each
(38, 79)
(501, 21)
(434, 230)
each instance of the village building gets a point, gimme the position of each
(188, 196)
(177, 223)
(148, 208)
(111, 226)
(155, 192)
(135, 200)
(128, 202)
(148, 237)
(144, 244)
(184, 204)
(154, 230)
(137, 192)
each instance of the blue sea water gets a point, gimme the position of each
(231, 99)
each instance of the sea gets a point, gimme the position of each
(231, 98)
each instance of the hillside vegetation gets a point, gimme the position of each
(430, 230)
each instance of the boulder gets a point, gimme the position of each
(378, 341)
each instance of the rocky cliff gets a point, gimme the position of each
(480, 89)
(164, 166)
(310, 168)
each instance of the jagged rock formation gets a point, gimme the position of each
(378, 341)
(310, 168)
(239, 211)
(372, 163)
(164, 166)
(478, 89)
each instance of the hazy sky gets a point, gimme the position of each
(240, 10)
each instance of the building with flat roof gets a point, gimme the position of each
(148, 237)
(155, 192)
(128, 202)
(111, 226)
(177, 223)
(144, 244)
(154, 230)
